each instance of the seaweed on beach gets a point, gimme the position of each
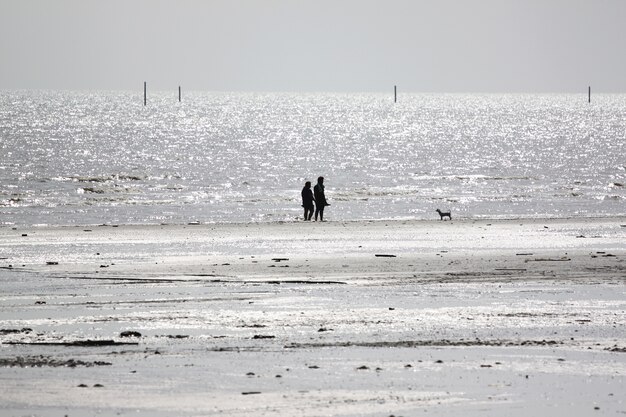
(24, 330)
(428, 343)
(81, 343)
(616, 349)
(46, 361)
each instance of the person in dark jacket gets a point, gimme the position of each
(320, 199)
(307, 201)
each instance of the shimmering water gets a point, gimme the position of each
(102, 157)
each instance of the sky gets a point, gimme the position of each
(485, 46)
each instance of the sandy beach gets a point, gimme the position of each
(368, 318)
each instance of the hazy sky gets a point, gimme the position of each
(315, 45)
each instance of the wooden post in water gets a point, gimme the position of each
(179, 94)
(145, 90)
(589, 94)
(395, 94)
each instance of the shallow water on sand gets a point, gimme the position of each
(103, 157)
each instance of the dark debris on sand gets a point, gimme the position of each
(46, 361)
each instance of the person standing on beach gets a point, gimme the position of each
(307, 200)
(320, 199)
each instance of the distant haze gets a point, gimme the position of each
(315, 45)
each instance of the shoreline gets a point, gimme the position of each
(618, 217)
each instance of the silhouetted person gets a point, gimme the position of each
(307, 201)
(320, 199)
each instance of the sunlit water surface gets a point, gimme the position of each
(103, 157)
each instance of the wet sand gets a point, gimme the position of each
(489, 317)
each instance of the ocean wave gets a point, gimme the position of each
(12, 202)
(612, 197)
(107, 178)
(374, 192)
(473, 177)
(115, 188)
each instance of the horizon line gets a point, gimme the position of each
(174, 89)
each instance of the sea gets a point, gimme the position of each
(105, 157)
